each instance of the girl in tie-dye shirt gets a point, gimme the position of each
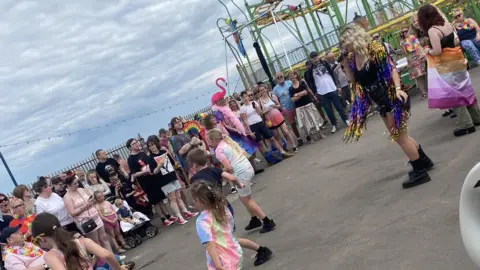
(215, 228)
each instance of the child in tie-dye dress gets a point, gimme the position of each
(215, 228)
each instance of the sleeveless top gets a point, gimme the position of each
(268, 104)
(79, 199)
(447, 41)
(83, 254)
(368, 75)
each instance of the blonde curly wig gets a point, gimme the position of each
(353, 38)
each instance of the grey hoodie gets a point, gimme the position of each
(342, 78)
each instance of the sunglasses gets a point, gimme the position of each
(404, 31)
(18, 206)
(3, 200)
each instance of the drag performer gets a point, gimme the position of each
(229, 123)
(376, 80)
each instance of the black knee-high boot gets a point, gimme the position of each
(418, 176)
(426, 160)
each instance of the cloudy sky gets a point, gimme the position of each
(69, 65)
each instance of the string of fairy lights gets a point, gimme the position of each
(57, 136)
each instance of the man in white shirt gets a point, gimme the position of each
(321, 79)
(341, 76)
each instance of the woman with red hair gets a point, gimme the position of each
(449, 84)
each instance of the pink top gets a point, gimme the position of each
(18, 261)
(79, 199)
(83, 253)
(105, 209)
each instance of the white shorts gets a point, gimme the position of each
(171, 187)
(245, 178)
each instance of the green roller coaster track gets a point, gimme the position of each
(383, 16)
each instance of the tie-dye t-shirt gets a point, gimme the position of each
(237, 159)
(228, 248)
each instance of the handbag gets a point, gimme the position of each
(89, 225)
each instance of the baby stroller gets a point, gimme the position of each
(134, 233)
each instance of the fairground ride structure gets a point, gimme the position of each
(323, 21)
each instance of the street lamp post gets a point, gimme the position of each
(8, 169)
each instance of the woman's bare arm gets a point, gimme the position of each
(434, 36)
(53, 261)
(71, 209)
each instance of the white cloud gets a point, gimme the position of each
(69, 65)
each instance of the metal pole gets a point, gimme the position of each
(239, 37)
(299, 34)
(309, 30)
(281, 40)
(239, 62)
(291, 30)
(273, 49)
(476, 12)
(315, 23)
(368, 11)
(260, 38)
(8, 169)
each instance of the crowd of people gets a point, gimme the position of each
(77, 220)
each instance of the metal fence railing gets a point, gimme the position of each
(91, 162)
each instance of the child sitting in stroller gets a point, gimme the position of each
(128, 219)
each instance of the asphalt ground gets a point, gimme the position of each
(341, 206)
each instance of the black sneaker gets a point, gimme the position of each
(300, 142)
(253, 224)
(463, 131)
(447, 113)
(262, 256)
(268, 227)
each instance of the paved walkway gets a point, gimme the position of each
(342, 206)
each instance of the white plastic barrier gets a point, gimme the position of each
(470, 214)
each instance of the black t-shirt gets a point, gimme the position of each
(103, 166)
(138, 162)
(167, 171)
(124, 188)
(304, 100)
(4, 223)
(210, 174)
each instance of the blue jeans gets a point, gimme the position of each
(472, 47)
(327, 101)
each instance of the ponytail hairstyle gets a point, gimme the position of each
(47, 225)
(211, 198)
